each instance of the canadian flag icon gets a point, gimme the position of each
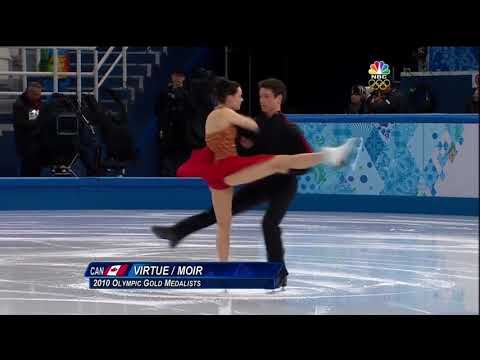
(116, 270)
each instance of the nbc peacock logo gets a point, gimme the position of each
(379, 72)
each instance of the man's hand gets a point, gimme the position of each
(246, 143)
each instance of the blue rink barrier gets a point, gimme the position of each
(193, 194)
(381, 118)
(395, 175)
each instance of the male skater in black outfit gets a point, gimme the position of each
(277, 136)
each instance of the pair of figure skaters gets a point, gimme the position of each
(264, 154)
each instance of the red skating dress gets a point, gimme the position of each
(218, 159)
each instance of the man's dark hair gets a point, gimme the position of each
(277, 87)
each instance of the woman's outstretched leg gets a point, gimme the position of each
(283, 163)
(222, 205)
(278, 164)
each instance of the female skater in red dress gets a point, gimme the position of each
(219, 164)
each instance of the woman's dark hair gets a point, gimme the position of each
(224, 88)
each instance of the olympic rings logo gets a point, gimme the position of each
(379, 84)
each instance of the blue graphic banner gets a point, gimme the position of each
(183, 275)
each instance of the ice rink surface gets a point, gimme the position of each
(339, 263)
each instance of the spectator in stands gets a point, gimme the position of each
(358, 98)
(377, 103)
(389, 101)
(174, 112)
(27, 132)
(421, 57)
